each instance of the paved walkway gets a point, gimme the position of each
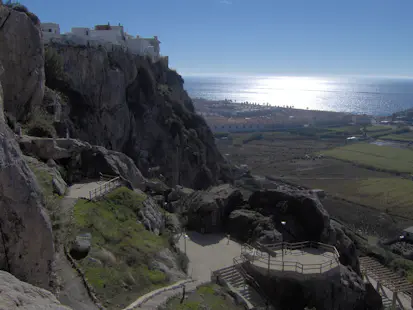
(81, 190)
(208, 252)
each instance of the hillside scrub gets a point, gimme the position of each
(118, 266)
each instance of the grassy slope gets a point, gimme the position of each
(374, 156)
(403, 137)
(118, 265)
(210, 296)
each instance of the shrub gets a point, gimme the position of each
(183, 261)
(53, 66)
(41, 125)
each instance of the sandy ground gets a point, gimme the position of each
(81, 190)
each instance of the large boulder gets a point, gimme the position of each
(209, 210)
(151, 215)
(250, 226)
(83, 160)
(81, 246)
(21, 54)
(26, 240)
(303, 215)
(17, 295)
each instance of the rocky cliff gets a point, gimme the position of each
(26, 242)
(127, 103)
(21, 53)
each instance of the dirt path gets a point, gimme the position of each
(72, 290)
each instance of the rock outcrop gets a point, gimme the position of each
(126, 103)
(21, 54)
(337, 289)
(26, 240)
(20, 295)
(83, 160)
(209, 210)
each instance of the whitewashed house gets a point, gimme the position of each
(106, 35)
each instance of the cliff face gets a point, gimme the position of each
(26, 241)
(127, 104)
(21, 54)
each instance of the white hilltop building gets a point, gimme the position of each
(106, 35)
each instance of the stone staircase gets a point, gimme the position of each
(237, 282)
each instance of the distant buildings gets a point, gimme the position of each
(361, 119)
(106, 34)
(223, 124)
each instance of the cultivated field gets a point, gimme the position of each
(386, 158)
(368, 186)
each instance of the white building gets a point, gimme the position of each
(50, 30)
(107, 34)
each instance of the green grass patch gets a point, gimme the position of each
(403, 137)
(391, 195)
(118, 266)
(384, 158)
(209, 296)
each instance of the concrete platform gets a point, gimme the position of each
(306, 260)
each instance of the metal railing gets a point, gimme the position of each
(266, 255)
(238, 265)
(105, 188)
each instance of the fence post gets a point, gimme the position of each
(90, 195)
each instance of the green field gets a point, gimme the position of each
(384, 158)
(403, 137)
(392, 195)
(118, 266)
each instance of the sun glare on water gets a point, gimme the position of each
(300, 92)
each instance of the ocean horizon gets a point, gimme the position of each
(371, 95)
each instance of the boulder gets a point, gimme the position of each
(208, 211)
(83, 160)
(59, 186)
(16, 295)
(304, 216)
(156, 187)
(250, 226)
(81, 246)
(22, 56)
(179, 192)
(26, 240)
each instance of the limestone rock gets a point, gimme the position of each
(17, 295)
(116, 101)
(341, 288)
(201, 207)
(305, 217)
(248, 225)
(151, 216)
(166, 261)
(179, 192)
(21, 54)
(82, 159)
(26, 241)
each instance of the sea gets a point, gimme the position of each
(370, 95)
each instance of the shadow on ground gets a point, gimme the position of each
(205, 239)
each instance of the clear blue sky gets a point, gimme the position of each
(307, 37)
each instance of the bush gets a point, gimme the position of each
(183, 261)
(18, 7)
(41, 125)
(53, 66)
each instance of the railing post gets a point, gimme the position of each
(90, 195)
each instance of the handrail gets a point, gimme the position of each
(238, 265)
(104, 188)
(265, 255)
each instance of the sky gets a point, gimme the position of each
(258, 37)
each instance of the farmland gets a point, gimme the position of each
(384, 158)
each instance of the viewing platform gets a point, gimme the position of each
(303, 257)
